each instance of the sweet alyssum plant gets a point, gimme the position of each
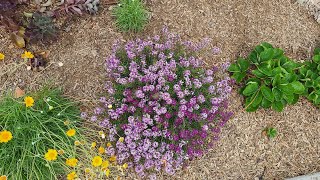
(163, 106)
(269, 78)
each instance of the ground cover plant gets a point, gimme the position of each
(269, 78)
(164, 107)
(131, 15)
(41, 138)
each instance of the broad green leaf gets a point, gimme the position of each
(276, 71)
(266, 54)
(266, 45)
(277, 106)
(244, 64)
(312, 96)
(276, 80)
(277, 94)
(265, 103)
(234, 68)
(278, 53)
(267, 93)
(290, 77)
(249, 107)
(256, 100)
(286, 88)
(250, 88)
(238, 76)
(317, 51)
(303, 71)
(258, 73)
(271, 132)
(253, 57)
(289, 98)
(316, 58)
(259, 49)
(289, 66)
(265, 69)
(295, 98)
(298, 87)
(268, 82)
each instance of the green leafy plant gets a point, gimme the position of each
(269, 78)
(35, 129)
(40, 27)
(131, 15)
(309, 75)
(271, 132)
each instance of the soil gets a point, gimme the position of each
(236, 27)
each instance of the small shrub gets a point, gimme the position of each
(164, 107)
(309, 75)
(268, 78)
(131, 15)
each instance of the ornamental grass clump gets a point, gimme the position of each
(164, 106)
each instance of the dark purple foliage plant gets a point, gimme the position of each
(164, 108)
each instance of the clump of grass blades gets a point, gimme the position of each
(35, 130)
(131, 15)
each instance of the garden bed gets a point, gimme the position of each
(236, 27)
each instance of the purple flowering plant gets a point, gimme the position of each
(166, 107)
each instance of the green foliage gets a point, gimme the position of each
(35, 130)
(269, 78)
(271, 132)
(309, 75)
(131, 15)
(40, 28)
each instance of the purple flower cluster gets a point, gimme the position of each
(166, 105)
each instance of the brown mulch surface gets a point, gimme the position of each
(236, 27)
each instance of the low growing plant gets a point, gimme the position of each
(271, 132)
(309, 75)
(268, 78)
(164, 106)
(130, 15)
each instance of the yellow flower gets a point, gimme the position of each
(72, 162)
(27, 55)
(110, 106)
(72, 175)
(125, 166)
(113, 158)
(51, 155)
(105, 165)
(101, 150)
(5, 136)
(121, 139)
(77, 143)
(2, 56)
(28, 101)
(93, 144)
(109, 144)
(108, 172)
(61, 152)
(3, 177)
(71, 132)
(87, 170)
(96, 161)
(100, 133)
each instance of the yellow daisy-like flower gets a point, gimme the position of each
(93, 144)
(107, 172)
(51, 155)
(101, 150)
(77, 143)
(72, 175)
(96, 161)
(3, 177)
(61, 152)
(71, 132)
(27, 55)
(87, 170)
(105, 165)
(29, 101)
(110, 106)
(5, 136)
(121, 139)
(109, 144)
(72, 162)
(2, 56)
(125, 166)
(113, 158)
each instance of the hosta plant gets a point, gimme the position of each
(164, 107)
(310, 77)
(268, 78)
